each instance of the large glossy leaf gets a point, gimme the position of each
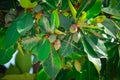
(88, 72)
(52, 65)
(98, 47)
(92, 55)
(65, 21)
(95, 9)
(24, 22)
(44, 50)
(12, 35)
(110, 28)
(6, 54)
(44, 25)
(111, 11)
(85, 5)
(66, 47)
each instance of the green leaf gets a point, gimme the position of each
(50, 4)
(81, 8)
(87, 47)
(52, 65)
(113, 3)
(13, 70)
(65, 21)
(110, 28)
(55, 23)
(25, 76)
(119, 50)
(12, 35)
(24, 22)
(27, 4)
(6, 54)
(98, 47)
(42, 75)
(44, 50)
(111, 49)
(2, 42)
(95, 9)
(29, 43)
(66, 47)
(85, 5)
(88, 72)
(44, 25)
(92, 55)
(111, 11)
(73, 11)
(64, 5)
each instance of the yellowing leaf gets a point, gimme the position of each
(27, 4)
(59, 32)
(73, 10)
(100, 19)
(77, 65)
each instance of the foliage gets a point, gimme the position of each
(67, 40)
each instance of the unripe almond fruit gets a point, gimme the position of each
(73, 28)
(57, 44)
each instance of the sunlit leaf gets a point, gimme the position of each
(27, 4)
(73, 11)
(111, 11)
(55, 23)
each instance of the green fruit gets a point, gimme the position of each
(23, 61)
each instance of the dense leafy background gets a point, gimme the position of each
(60, 40)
